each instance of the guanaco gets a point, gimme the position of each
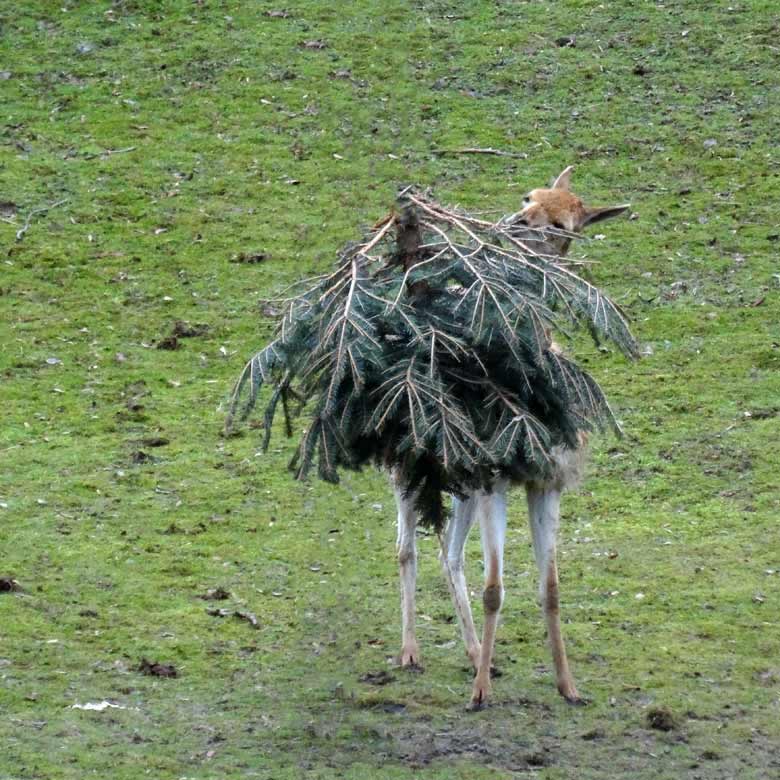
(559, 215)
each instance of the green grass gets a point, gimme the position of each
(214, 109)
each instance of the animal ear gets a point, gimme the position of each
(564, 177)
(605, 212)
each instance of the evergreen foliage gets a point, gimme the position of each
(428, 350)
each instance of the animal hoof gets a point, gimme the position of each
(572, 697)
(410, 659)
(479, 696)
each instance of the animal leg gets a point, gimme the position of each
(407, 561)
(543, 516)
(452, 544)
(492, 512)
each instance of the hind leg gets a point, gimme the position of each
(453, 542)
(543, 516)
(492, 512)
(407, 562)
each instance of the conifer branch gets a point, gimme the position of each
(428, 349)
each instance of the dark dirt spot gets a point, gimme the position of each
(156, 669)
(215, 594)
(9, 585)
(495, 672)
(377, 678)
(182, 330)
(139, 456)
(393, 707)
(169, 342)
(249, 258)
(661, 719)
(187, 330)
(764, 414)
(593, 734)
(539, 758)
(155, 441)
(173, 528)
(90, 613)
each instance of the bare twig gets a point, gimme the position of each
(479, 150)
(109, 153)
(20, 233)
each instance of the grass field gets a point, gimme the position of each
(181, 162)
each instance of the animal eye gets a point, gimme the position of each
(526, 200)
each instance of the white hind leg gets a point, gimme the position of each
(407, 562)
(453, 542)
(492, 519)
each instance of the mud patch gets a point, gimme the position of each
(156, 669)
(661, 719)
(377, 678)
(485, 743)
(215, 594)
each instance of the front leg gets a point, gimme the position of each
(407, 562)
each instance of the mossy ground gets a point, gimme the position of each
(186, 136)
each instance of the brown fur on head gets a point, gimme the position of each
(561, 209)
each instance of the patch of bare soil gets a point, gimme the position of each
(661, 719)
(156, 669)
(377, 678)
(468, 739)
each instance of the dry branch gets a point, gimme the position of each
(20, 233)
(478, 150)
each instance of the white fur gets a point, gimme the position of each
(407, 560)
(490, 509)
(543, 518)
(453, 542)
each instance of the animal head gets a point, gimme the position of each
(560, 209)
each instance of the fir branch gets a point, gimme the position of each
(432, 353)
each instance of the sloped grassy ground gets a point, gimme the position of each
(189, 139)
